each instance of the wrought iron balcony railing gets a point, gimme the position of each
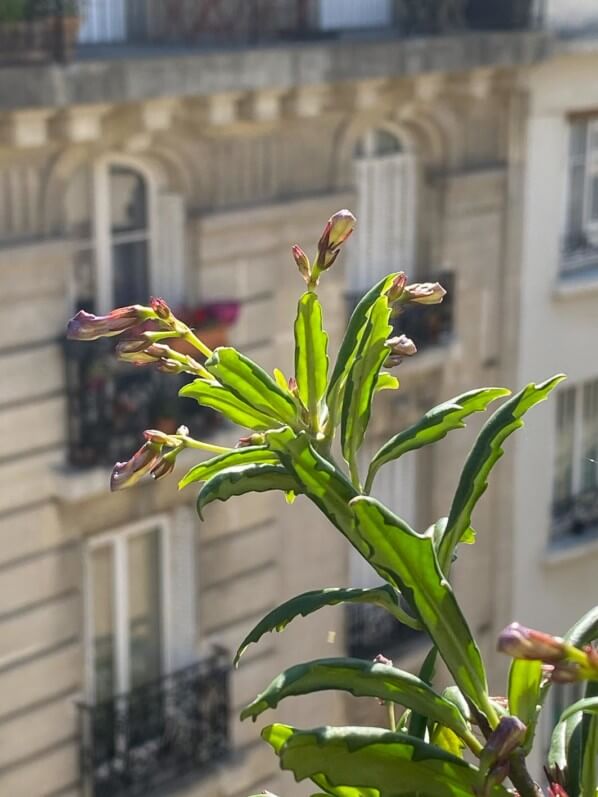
(140, 741)
(34, 30)
(110, 404)
(371, 630)
(575, 515)
(427, 325)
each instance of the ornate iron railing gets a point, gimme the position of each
(137, 742)
(371, 630)
(575, 515)
(111, 403)
(34, 30)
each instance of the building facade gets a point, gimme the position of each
(160, 160)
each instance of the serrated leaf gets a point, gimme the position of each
(235, 409)
(245, 479)
(307, 603)
(435, 425)
(585, 630)
(363, 376)
(409, 561)
(311, 354)
(252, 384)
(361, 679)
(485, 453)
(392, 764)
(251, 455)
(349, 346)
(387, 381)
(525, 679)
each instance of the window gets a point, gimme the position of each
(344, 14)
(385, 179)
(581, 233)
(103, 21)
(575, 488)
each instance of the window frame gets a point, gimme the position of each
(118, 539)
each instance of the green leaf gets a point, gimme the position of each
(363, 376)
(387, 381)
(486, 451)
(587, 705)
(252, 455)
(410, 564)
(361, 679)
(525, 678)
(564, 753)
(349, 345)
(434, 425)
(243, 479)
(235, 409)
(252, 384)
(392, 764)
(589, 767)
(418, 722)
(448, 740)
(585, 630)
(309, 602)
(311, 358)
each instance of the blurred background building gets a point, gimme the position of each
(177, 149)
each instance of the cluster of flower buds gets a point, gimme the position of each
(338, 228)
(508, 735)
(566, 663)
(144, 351)
(149, 459)
(400, 346)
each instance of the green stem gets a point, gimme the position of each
(490, 712)
(521, 779)
(190, 442)
(354, 471)
(192, 338)
(474, 744)
(392, 723)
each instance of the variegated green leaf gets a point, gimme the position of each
(363, 376)
(589, 765)
(307, 603)
(252, 455)
(387, 381)
(434, 425)
(585, 630)
(349, 346)
(361, 679)
(251, 384)
(243, 479)
(486, 451)
(418, 722)
(311, 355)
(235, 409)
(525, 678)
(392, 764)
(409, 563)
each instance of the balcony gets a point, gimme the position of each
(371, 630)
(60, 30)
(111, 403)
(138, 742)
(576, 515)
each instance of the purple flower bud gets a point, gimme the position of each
(126, 474)
(302, 261)
(423, 293)
(141, 352)
(256, 439)
(381, 659)
(161, 309)
(162, 468)
(401, 346)
(398, 286)
(566, 672)
(338, 228)
(87, 326)
(168, 366)
(525, 643)
(504, 739)
(159, 438)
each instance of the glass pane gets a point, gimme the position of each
(577, 141)
(78, 205)
(102, 579)
(564, 445)
(386, 143)
(593, 211)
(128, 200)
(589, 466)
(144, 607)
(575, 209)
(130, 273)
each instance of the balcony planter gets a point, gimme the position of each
(210, 322)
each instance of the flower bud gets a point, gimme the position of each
(141, 352)
(256, 439)
(381, 659)
(504, 739)
(338, 228)
(183, 431)
(400, 346)
(87, 326)
(126, 474)
(556, 790)
(162, 468)
(159, 438)
(168, 366)
(525, 643)
(302, 261)
(161, 309)
(398, 286)
(423, 293)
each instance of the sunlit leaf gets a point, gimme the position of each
(243, 479)
(311, 357)
(525, 678)
(387, 381)
(235, 409)
(251, 455)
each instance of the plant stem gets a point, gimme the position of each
(392, 723)
(474, 744)
(521, 779)
(192, 338)
(190, 442)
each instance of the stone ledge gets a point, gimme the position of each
(129, 76)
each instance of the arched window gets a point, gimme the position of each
(385, 181)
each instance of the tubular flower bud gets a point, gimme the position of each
(160, 438)
(163, 467)
(161, 309)
(126, 474)
(508, 735)
(139, 352)
(423, 293)
(525, 643)
(381, 659)
(256, 439)
(302, 261)
(400, 346)
(87, 326)
(338, 228)
(395, 291)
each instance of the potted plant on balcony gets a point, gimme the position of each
(211, 322)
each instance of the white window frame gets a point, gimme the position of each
(578, 435)
(118, 540)
(101, 226)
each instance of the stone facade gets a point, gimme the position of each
(258, 148)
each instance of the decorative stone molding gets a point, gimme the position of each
(307, 103)
(262, 106)
(157, 116)
(80, 124)
(25, 129)
(222, 109)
